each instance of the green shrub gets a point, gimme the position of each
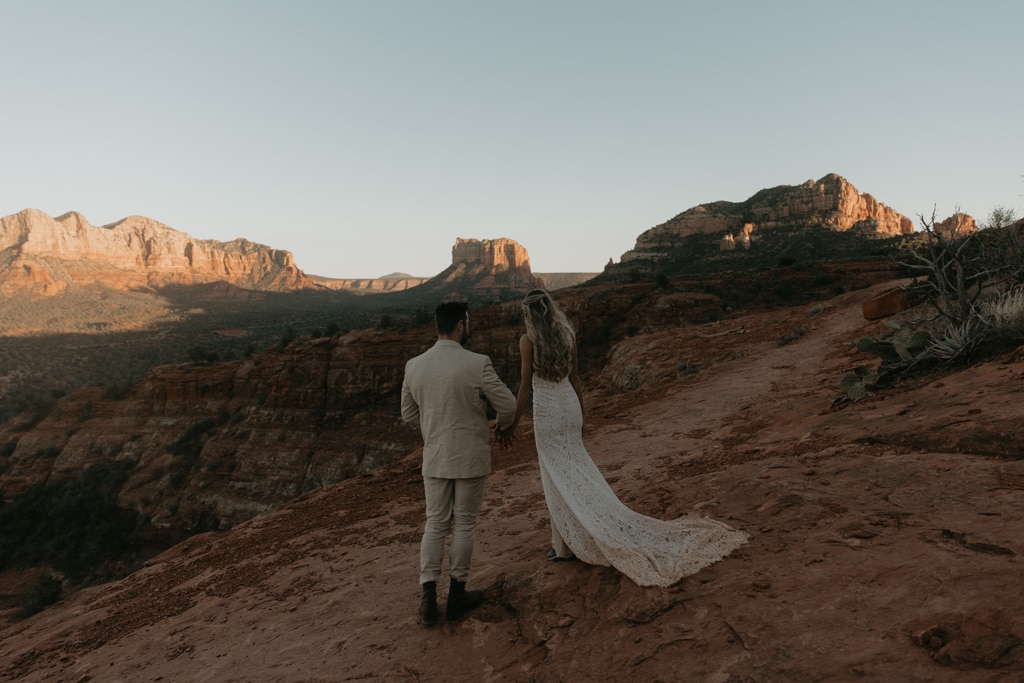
(73, 525)
(972, 284)
(198, 355)
(791, 336)
(46, 591)
(1004, 314)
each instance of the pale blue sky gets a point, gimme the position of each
(365, 137)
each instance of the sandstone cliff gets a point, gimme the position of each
(479, 267)
(830, 202)
(45, 255)
(957, 225)
(484, 269)
(208, 447)
(501, 253)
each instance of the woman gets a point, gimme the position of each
(587, 519)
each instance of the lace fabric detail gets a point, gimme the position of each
(594, 523)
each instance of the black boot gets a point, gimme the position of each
(428, 604)
(460, 600)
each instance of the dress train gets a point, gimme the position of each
(594, 523)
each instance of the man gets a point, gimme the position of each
(448, 389)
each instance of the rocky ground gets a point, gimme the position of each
(885, 542)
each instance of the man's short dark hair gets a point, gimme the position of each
(449, 314)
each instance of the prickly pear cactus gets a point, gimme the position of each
(897, 351)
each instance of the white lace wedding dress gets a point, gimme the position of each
(596, 526)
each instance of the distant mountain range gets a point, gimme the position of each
(208, 382)
(43, 256)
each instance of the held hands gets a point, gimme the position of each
(505, 437)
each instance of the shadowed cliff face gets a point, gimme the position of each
(46, 255)
(209, 447)
(884, 535)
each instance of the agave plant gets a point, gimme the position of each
(958, 340)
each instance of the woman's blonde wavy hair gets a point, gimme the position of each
(552, 336)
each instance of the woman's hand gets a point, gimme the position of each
(505, 437)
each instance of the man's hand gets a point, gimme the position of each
(505, 438)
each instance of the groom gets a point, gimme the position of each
(448, 389)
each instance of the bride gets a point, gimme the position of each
(587, 519)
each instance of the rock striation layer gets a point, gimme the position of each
(484, 269)
(501, 253)
(210, 446)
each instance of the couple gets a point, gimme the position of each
(447, 389)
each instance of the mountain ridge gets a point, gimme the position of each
(831, 203)
(45, 255)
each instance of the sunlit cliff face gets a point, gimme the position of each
(134, 252)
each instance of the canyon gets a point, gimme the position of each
(884, 534)
(281, 504)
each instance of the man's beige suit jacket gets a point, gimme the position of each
(447, 389)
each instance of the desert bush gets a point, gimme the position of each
(687, 368)
(73, 525)
(117, 390)
(287, 337)
(198, 355)
(46, 591)
(1000, 217)
(791, 336)
(1004, 314)
(956, 272)
(957, 341)
(972, 284)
